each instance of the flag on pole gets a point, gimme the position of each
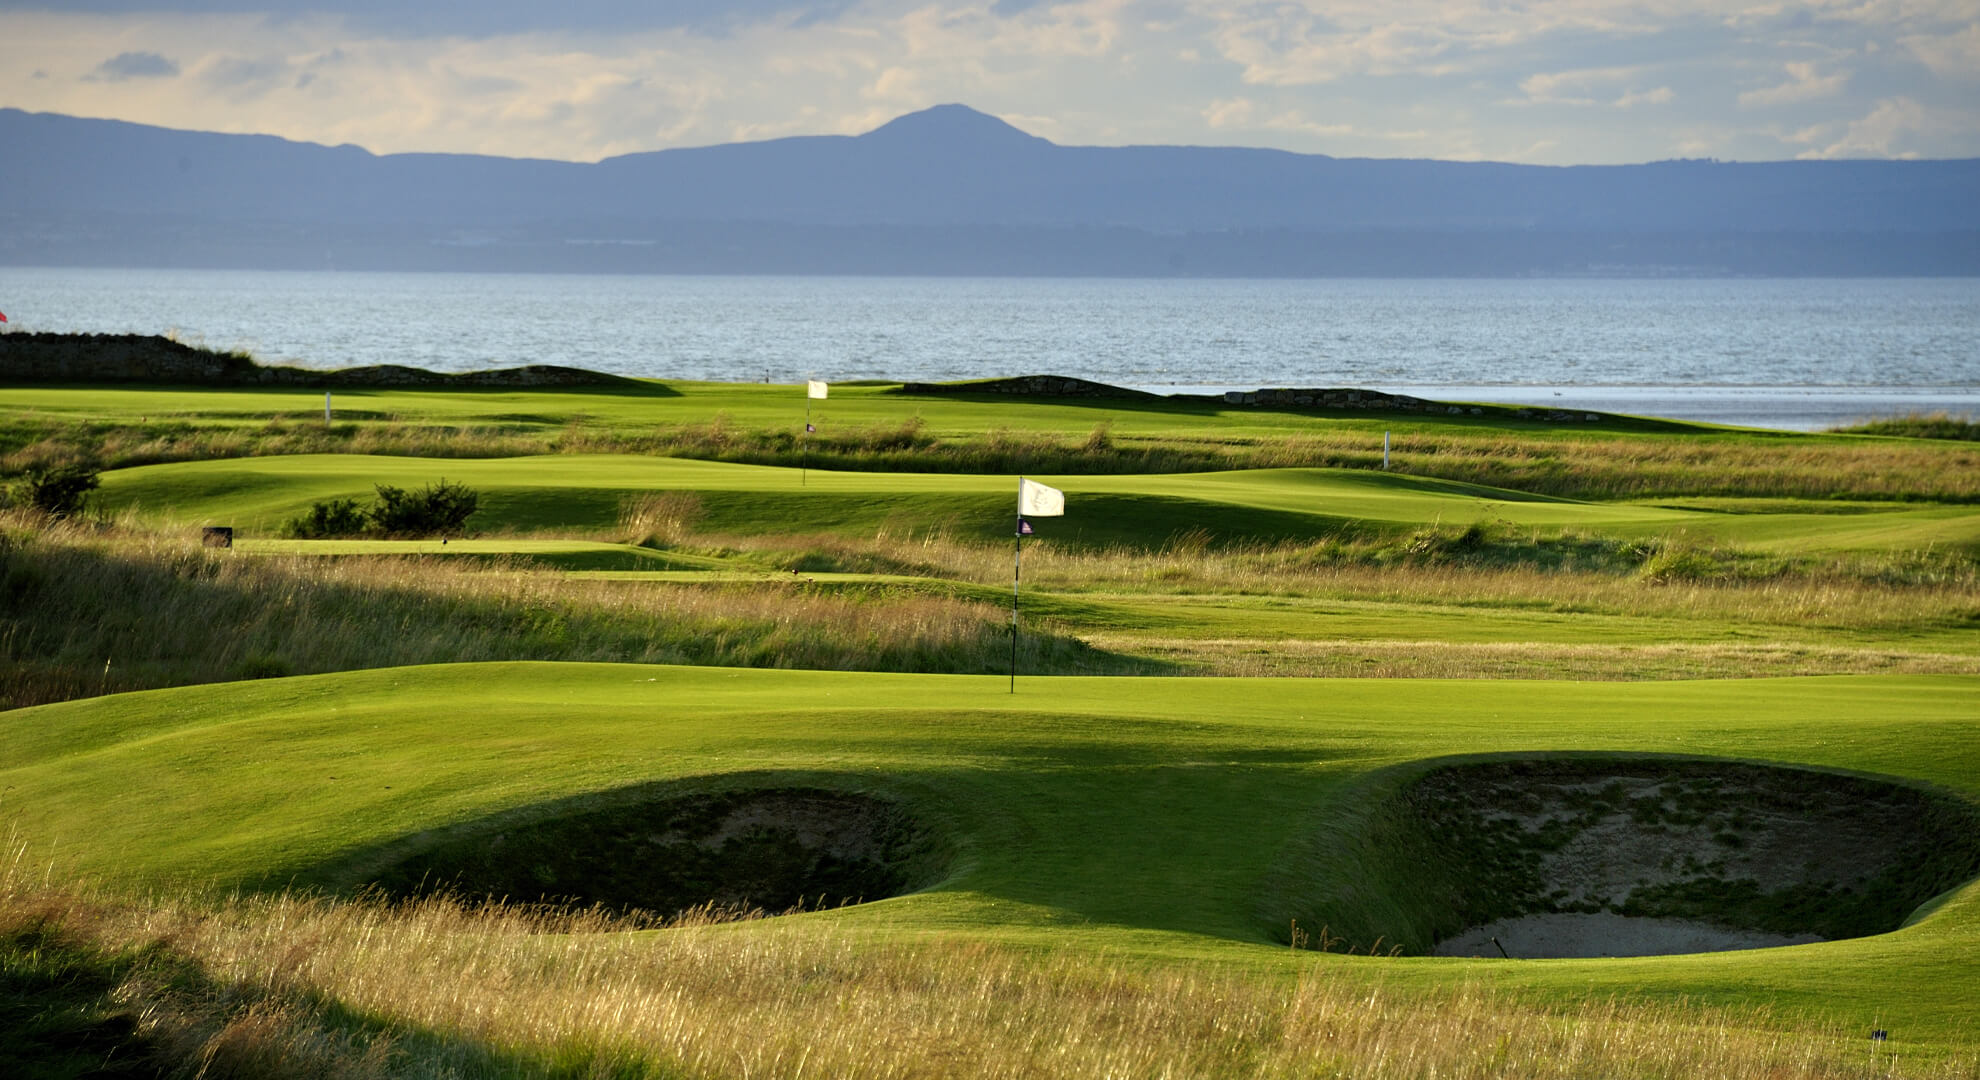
(813, 388)
(1034, 500)
(3, 316)
(1037, 500)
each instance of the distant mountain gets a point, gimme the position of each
(951, 190)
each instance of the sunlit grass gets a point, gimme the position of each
(284, 986)
(100, 610)
(884, 432)
(97, 609)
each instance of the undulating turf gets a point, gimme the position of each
(1172, 817)
(586, 492)
(1164, 820)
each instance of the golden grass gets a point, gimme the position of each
(1579, 463)
(1896, 590)
(273, 986)
(92, 610)
(120, 446)
(1254, 657)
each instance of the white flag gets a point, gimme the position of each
(1037, 500)
(814, 388)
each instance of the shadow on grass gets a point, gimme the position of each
(73, 1010)
(58, 1015)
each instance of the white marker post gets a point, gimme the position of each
(326, 408)
(1385, 451)
(813, 388)
(1034, 500)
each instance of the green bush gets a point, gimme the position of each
(440, 508)
(1680, 564)
(60, 491)
(437, 509)
(333, 517)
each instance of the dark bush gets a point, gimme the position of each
(440, 508)
(335, 517)
(60, 491)
(437, 509)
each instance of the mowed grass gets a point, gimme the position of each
(588, 492)
(90, 611)
(1157, 819)
(93, 611)
(876, 428)
(1273, 572)
(1123, 851)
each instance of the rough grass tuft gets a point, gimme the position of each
(284, 986)
(1937, 425)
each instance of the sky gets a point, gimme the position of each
(1538, 81)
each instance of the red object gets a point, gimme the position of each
(3, 316)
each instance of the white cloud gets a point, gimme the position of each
(1576, 87)
(1803, 85)
(1950, 56)
(1632, 98)
(1525, 79)
(1229, 112)
(1591, 86)
(1893, 130)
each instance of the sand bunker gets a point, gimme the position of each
(1536, 937)
(771, 849)
(1637, 857)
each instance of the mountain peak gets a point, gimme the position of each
(953, 127)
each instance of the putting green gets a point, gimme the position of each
(1170, 816)
(585, 492)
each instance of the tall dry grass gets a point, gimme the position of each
(1576, 464)
(1918, 425)
(281, 986)
(27, 443)
(86, 610)
(1894, 590)
(1373, 659)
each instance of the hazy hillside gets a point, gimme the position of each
(950, 190)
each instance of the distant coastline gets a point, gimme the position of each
(1800, 354)
(950, 191)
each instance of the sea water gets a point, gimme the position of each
(1793, 353)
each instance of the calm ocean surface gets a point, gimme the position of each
(1779, 353)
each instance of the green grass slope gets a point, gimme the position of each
(580, 492)
(1148, 815)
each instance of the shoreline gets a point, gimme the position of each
(1784, 408)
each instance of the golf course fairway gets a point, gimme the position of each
(1167, 819)
(580, 491)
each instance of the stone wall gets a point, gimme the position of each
(146, 358)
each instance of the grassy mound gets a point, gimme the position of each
(589, 492)
(874, 428)
(1164, 817)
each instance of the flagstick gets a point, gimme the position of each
(1017, 571)
(804, 472)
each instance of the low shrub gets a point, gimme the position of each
(332, 517)
(438, 509)
(59, 491)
